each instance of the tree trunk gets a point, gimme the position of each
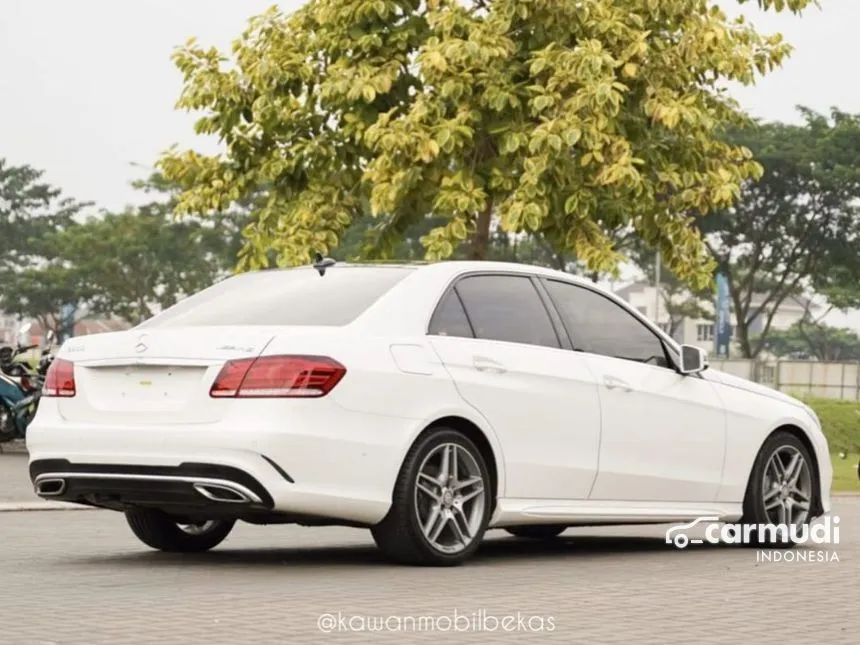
(481, 241)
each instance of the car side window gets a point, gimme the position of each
(507, 308)
(450, 319)
(599, 326)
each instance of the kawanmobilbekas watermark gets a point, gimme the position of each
(824, 532)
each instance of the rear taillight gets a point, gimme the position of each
(60, 379)
(278, 376)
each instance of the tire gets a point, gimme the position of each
(537, 531)
(8, 430)
(158, 531)
(460, 520)
(763, 490)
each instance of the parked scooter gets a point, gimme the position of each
(21, 387)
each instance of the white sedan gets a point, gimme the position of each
(426, 403)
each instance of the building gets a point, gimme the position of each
(700, 331)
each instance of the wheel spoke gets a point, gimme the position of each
(794, 469)
(468, 497)
(460, 525)
(458, 486)
(435, 523)
(453, 475)
(773, 492)
(787, 506)
(798, 494)
(801, 506)
(427, 485)
(445, 467)
(772, 504)
(778, 468)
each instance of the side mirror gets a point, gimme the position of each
(693, 360)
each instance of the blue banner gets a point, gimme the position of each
(723, 325)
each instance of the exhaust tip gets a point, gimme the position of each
(218, 493)
(50, 487)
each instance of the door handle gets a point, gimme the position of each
(484, 364)
(613, 382)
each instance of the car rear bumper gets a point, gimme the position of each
(187, 488)
(332, 464)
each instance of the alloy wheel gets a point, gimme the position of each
(787, 487)
(198, 528)
(450, 497)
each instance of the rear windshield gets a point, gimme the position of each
(284, 297)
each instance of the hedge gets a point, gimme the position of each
(840, 421)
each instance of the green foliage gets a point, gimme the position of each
(126, 264)
(568, 119)
(840, 421)
(29, 211)
(814, 340)
(132, 262)
(797, 229)
(33, 283)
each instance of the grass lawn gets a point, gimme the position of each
(845, 474)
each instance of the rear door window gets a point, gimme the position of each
(507, 308)
(450, 318)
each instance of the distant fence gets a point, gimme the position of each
(800, 378)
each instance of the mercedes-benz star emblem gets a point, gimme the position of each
(141, 346)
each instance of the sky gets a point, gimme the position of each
(88, 88)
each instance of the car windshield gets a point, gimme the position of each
(284, 297)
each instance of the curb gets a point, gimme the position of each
(13, 448)
(16, 507)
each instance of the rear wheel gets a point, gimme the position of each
(537, 531)
(441, 503)
(781, 490)
(159, 531)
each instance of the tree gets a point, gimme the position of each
(134, 263)
(30, 210)
(32, 214)
(814, 340)
(128, 264)
(797, 229)
(570, 119)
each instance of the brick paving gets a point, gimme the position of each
(83, 579)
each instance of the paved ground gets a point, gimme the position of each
(80, 578)
(14, 481)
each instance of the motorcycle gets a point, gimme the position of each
(21, 387)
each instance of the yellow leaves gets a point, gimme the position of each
(442, 110)
(368, 93)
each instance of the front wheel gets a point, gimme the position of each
(159, 531)
(8, 428)
(537, 531)
(781, 491)
(441, 503)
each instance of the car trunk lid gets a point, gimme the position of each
(157, 376)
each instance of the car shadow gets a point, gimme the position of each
(494, 550)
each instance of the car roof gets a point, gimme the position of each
(453, 268)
